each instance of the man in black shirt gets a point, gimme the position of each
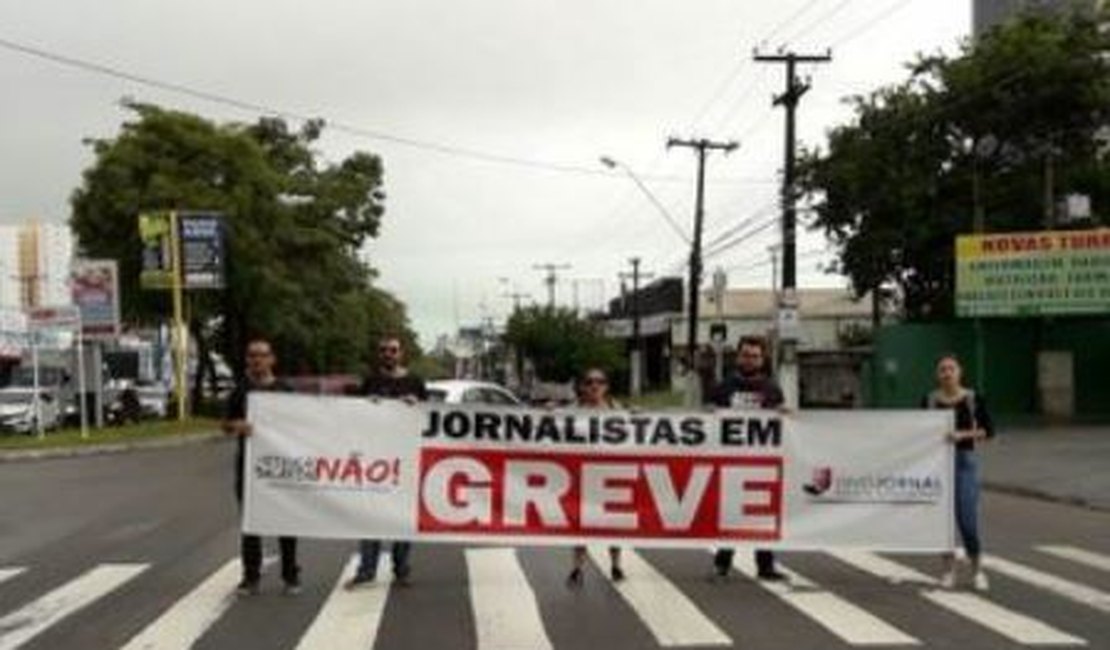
(260, 377)
(391, 379)
(750, 387)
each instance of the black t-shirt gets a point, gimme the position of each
(971, 413)
(746, 392)
(382, 385)
(237, 406)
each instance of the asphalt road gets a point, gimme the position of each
(139, 550)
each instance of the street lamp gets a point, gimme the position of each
(613, 163)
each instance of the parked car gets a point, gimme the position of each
(467, 391)
(17, 409)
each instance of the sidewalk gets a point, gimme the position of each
(1068, 464)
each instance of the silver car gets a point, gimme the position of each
(467, 391)
(17, 409)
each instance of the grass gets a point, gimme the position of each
(130, 433)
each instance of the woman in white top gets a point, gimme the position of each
(593, 392)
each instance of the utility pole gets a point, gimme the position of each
(516, 297)
(788, 300)
(636, 358)
(702, 147)
(551, 279)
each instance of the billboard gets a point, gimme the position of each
(94, 290)
(157, 243)
(202, 249)
(200, 245)
(1043, 273)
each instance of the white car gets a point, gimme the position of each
(467, 391)
(17, 410)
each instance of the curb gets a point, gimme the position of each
(168, 442)
(1039, 495)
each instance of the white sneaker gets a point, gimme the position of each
(980, 582)
(948, 580)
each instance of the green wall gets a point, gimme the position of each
(1003, 366)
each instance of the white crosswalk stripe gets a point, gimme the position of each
(848, 621)
(188, 618)
(673, 618)
(1089, 558)
(26, 623)
(349, 618)
(1073, 591)
(506, 614)
(1010, 624)
(7, 573)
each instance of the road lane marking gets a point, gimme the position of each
(7, 573)
(1090, 558)
(506, 614)
(189, 618)
(350, 619)
(673, 618)
(24, 624)
(848, 621)
(1013, 625)
(1073, 591)
(1010, 624)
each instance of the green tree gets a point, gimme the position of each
(900, 181)
(560, 344)
(294, 228)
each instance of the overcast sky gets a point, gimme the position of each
(545, 81)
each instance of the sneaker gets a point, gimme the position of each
(291, 588)
(248, 587)
(616, 573)
(948, 580)
(980, 582)
(772, 575)
(575, 578)
(358, 582)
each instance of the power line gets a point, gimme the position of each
(794, 16)
(767, 261)
(867, 26)
(350, 129)
(820, 20)
(740, 239)
(741, 225)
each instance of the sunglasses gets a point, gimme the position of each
(595, 381)
(392, 349)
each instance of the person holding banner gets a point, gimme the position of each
(391, 379)
(973, 425)
(593, 392)
(259, 377)
(750, 387)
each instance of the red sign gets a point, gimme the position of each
(600, 495)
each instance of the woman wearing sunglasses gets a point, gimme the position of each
(593, 392)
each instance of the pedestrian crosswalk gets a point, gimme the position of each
(349, 617)
(975, 608)
(674, 620)
(26, 623)
(838, 593)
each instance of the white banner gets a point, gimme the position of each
(342, 467)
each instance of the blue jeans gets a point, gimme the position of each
(967, 500)
(370, 549)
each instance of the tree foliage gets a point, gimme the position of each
(560, 344)
(899, 182)
(294, 226)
